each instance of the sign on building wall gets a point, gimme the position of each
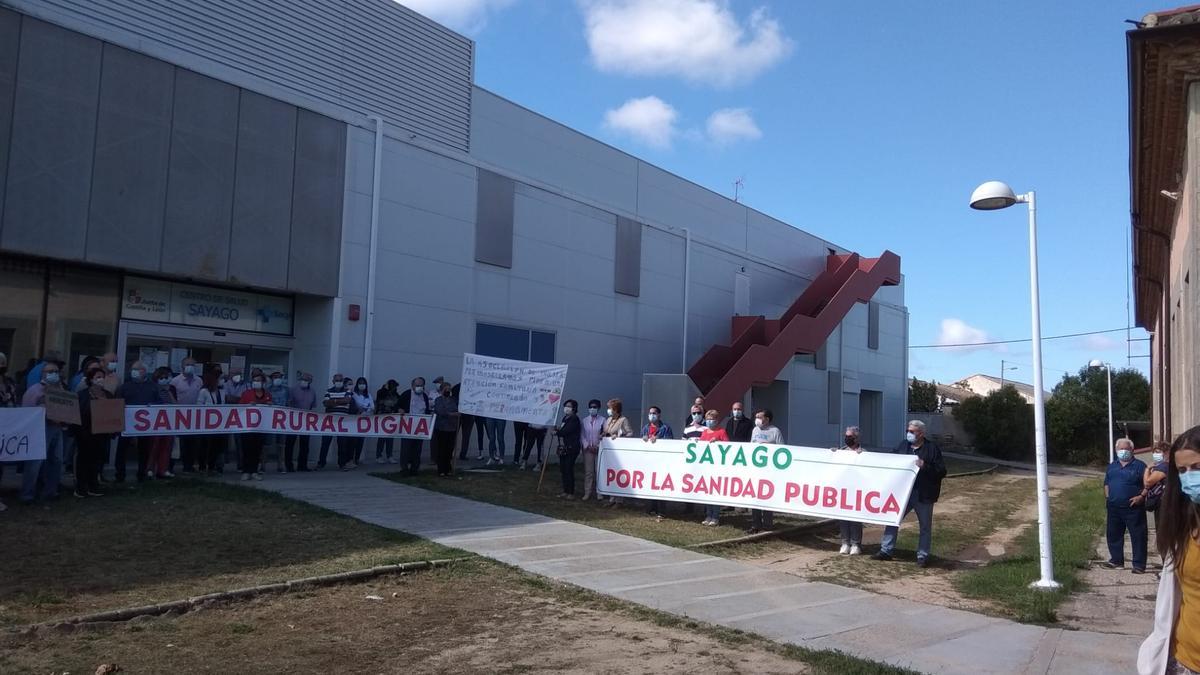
(522, 391)
(869, 487)
(191, 305)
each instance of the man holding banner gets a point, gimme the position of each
(932, 469)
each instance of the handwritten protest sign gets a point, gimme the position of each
(22, 434)
(62, 405)
(108, 415)
(171, 420)
(868, 487)
(504, 389)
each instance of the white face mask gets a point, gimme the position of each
(1157, 457)
(305, 384)
(737, 414)
(278, 382)
(652, 417)
(362, 387)
(610, 412)
(418, 389)
(237, 379)
(758, 422)
(910, 437)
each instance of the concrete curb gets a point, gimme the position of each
(181, 606)
(765, 535)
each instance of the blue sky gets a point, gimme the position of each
(869, 126)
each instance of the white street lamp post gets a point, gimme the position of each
(1097, 363)
(990, 196)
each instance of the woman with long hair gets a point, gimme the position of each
(1174, 645)
(212, 445)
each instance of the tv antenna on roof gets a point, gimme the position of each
(737, 188)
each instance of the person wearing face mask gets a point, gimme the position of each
(413, 401)
(193, 450)
(46, 472)
(695, 424)
(616, 426)
(931, 469)
(1155, 480)
(445, 429)
(765, 433)
(712, 434)
(570, 443)
(339, 401)
(157, 463)
(281, 396)
(210, 448)
(363, 405)
(1125, 497)
(387, 402)
(590, 432)
(91, 448)
(467, 423)
(252, 444)
(301, 396)
(738, 427)
(1173, 647)
(139, 389)
(654, 429)
(851, 531)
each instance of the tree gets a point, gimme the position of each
(922, 396)
(1001, 423)
(1077, 412)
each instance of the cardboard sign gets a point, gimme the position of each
(108, 415)
(62, 405)
(172, 420)
(22, 434)
(869, 487)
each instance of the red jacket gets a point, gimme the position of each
(714, 435)
(249, 397)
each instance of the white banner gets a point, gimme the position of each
(172, 420)
(868, 487)
(502, 389)
(22, 434)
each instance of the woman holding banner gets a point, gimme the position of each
(252, 444)
(212, 446)
(570, 436)
(158, 457)
(617, 426)
(712, 433)
(91, 448)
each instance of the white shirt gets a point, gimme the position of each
(417, 404)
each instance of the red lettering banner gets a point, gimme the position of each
(179, 420)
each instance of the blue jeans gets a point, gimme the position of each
(48, 470)
(851, 531)
(924, 517)
(495, 434)
(712, 512)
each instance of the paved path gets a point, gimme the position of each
(779, 606)
(1085, 472)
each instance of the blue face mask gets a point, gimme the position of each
(51, 378)
(1124, 455)
(1190, 482)
(189, 370)
(710, 423)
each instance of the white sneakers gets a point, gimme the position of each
(855, 550)
(258, 476)
(850, 549)
(845, 549)
(245, 476)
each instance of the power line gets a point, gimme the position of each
(1010, 342)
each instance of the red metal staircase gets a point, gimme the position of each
(762, 347)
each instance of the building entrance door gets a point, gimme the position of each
(157, 345)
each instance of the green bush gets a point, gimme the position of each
(1000, 423)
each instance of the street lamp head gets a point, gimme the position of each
(1095, 363)
(993, 195)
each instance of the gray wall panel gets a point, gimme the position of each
(262, 198)
(129, 176)
(628, 266)
(10, 35)
(494, 219)
(318, 192)
(53, 136)
(201, 177)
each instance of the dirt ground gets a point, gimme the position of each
(960, 542)
(497, 623)
(1115, 601)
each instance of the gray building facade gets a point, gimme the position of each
(321, 187)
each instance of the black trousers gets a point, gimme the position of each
(192, 454)
(325, 441)
(1133, 519)
(410, 455)
(519, 431)
(213, 448)
(443, 450)
(125, 448)
(762, 520)
(349, 448)
(566, 466)
(252, 447)
(465, 424)
(90, 452)
(384, 446)
(289, 449)
(532, 437)
(144, 445)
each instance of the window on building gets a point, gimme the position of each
(81, 314)
(519, 344)
(22, 299)
(627, 272)
(873, 325)
(494, 219)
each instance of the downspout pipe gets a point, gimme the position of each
(369, 324)
(687, 294)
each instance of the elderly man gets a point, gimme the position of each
(851, 531)
(1125, 494)
(931, 469)
(187, 391)
(49, 470)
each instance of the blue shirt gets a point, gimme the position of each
(1124, 482)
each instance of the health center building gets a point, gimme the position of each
(320, 186)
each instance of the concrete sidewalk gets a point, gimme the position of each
(778, 606)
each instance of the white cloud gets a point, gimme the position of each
(699, 40)
(959, 332)
(649, 120)
(730, 125)
(1098, 343)
(468, 16)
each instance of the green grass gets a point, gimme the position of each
(1078, 516)
(518, 489)
(959, 466)
(170, 540)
